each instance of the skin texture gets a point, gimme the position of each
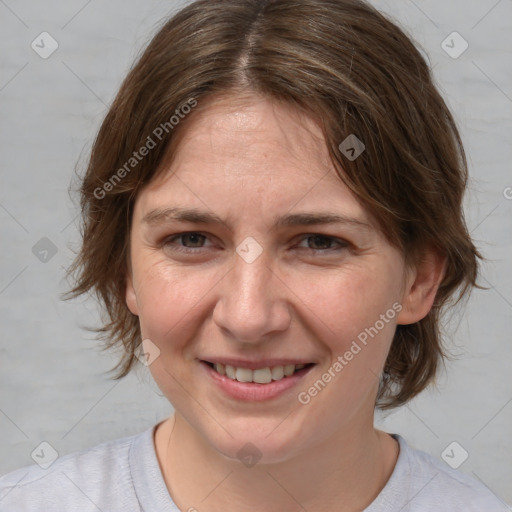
(249, 162)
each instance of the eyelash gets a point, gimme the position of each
(343, 244)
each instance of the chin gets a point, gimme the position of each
(256, 441)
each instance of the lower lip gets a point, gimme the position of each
(252, 391)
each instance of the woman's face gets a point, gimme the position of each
(230, 269)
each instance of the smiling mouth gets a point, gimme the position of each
(259, 375)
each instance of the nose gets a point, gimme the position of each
(252, 305)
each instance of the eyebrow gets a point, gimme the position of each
(164, 215)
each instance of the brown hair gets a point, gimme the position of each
(344, 64)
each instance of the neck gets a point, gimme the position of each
(199, 477)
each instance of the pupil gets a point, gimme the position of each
(320, 239)
(194, 238)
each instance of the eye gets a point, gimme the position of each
(318, 242)
(192, 242)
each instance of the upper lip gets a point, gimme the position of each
(254, 364)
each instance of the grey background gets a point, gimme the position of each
(52, 382)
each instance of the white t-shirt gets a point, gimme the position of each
(124, 476)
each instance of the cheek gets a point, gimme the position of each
(166, 298)
(350, 300)
(361, 318)
(169, 301)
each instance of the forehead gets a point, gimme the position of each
(251, 129)
(253, 152)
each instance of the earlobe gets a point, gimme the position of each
(421, 287)
(131, 297)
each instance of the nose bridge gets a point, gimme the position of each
(252, 303)
(251, 280)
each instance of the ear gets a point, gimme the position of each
(131, 296)
(422, 283)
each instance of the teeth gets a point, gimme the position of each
(277, 372)
(261, 375)
(230, 372)
(243, 375)
(289, 369)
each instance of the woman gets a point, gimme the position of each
(272, 218)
